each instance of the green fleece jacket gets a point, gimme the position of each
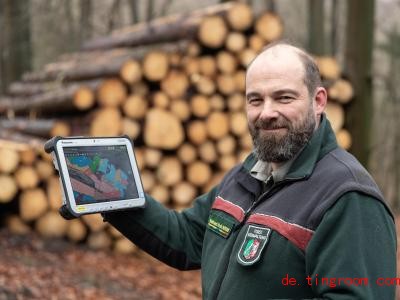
(324, 232)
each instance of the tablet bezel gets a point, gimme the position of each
(104, 205)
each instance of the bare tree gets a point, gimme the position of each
(85, 20)
(316, 27)
(150, 10)
(113, 14)
(134, 8)
(359, 43)
(15, 45)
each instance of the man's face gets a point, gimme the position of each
(279, 108)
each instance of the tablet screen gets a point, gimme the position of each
(100, 173)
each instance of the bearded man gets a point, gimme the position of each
(300, 218)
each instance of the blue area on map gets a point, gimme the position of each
(80, 161)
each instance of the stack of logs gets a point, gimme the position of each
(174, 85)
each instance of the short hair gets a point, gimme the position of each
(312, 76)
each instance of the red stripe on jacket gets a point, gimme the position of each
(234, 210)
(298, 235)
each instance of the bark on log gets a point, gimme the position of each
(166, 29)
(62, 99)
(102, 64)
(41, 127)
(25, 141)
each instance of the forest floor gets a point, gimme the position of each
(33, 268)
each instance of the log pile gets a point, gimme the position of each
(174, 85)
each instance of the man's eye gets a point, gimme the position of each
(285, 98)
(254, 101)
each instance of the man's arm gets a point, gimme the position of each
(356, 239)
(174, 238)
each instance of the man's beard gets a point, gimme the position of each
(272, 147)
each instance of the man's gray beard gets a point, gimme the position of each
(282, 149)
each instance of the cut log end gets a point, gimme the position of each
(213, 31)
(269, 26)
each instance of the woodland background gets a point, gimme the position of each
(362, 35)
(36, 32)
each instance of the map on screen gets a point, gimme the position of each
(100, 173)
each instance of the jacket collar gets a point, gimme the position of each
(322, 142)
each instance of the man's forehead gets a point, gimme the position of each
(280, 56)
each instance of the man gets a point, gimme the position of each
(300, 218)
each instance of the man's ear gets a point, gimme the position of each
(320, 100)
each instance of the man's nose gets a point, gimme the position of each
(269, 110)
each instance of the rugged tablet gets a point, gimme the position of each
(96, 174)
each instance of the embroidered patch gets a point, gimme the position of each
(220, 224)
(253, 244)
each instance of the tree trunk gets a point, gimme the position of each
(81, 66)
(167, 29)
(42, 127)
(15, 49)
(62, 99)
(316, 23)
(360, 36)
